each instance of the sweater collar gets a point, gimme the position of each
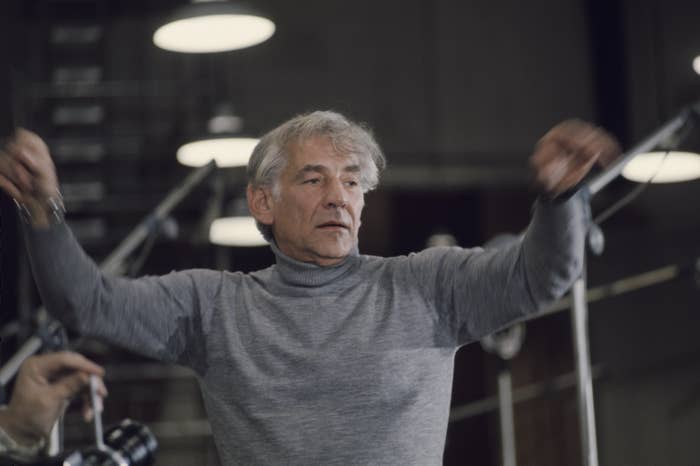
(298, 273)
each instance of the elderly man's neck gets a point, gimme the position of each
(311, 258)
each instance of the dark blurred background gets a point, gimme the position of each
(457, 92)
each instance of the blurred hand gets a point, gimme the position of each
(28, 174)
(44, 387)
(568, 152)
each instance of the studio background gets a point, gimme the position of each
(457, 93)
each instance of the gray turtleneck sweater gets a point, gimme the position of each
(300, 364)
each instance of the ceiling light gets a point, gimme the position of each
(696, 64)
(663, 167)
(235, 231)
(226, 152)
(213, 26)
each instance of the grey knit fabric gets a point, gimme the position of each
(302, 365)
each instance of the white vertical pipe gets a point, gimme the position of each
(589, 447)
(505, 415)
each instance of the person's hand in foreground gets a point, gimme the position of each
(44, 387)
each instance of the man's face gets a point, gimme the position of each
(316, 215)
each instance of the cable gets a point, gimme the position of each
(629, 197)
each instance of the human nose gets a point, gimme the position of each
(335, 195)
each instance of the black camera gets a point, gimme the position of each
(125, 444)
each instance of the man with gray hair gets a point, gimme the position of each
(328, 356)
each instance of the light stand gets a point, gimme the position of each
(506, 345)
(114, 263)
(661, 137)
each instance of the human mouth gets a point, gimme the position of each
(333, 226)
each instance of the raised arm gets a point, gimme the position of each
(476, 291)
(155, 316)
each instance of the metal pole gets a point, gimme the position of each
(505, 417)
(659, 137)
(589, 446)
(11, 367)
(115, 261)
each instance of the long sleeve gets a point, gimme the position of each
(477, 291)
(158, 317)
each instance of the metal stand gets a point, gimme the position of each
(664, 137)
(114, 263)
(589, 446)
(506, 418)
(506, 344)
(50, 336)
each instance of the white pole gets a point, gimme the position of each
(589, 446)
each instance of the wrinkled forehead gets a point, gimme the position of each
(317, 149)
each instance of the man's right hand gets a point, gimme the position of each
(28, 175)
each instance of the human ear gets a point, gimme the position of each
(260, 204)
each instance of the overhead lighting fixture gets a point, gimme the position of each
(236, 227)
(206, 26)
(696, 64)
(226, 152)
(236, 231)
(223, 144)
(663, 167)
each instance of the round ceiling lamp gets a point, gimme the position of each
(663, 167)
(207, 26)
(236, 231)
(226, 151)
(696, 64)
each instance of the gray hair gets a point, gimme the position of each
(270, 155)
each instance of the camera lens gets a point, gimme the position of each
(129, 444)
(133, 441)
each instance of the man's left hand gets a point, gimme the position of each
(564, 155)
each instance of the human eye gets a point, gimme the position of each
(312, 181)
